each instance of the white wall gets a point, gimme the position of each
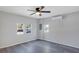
(66, 32)
(8, 36)
(63, 30)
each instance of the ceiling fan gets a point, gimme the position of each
(39, 11)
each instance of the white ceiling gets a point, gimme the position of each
(55, 10)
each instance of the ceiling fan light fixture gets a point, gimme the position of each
(37, 13)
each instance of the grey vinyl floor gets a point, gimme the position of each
(40, 46)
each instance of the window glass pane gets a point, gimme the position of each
(20, 29)
(46, 28)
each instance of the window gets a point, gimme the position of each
(46, 28)
(20, 29)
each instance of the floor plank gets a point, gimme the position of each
(39, 46)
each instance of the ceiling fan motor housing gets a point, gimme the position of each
(37, 9)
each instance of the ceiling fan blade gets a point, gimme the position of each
(42, 7)
(45, 11)
(31, 10)
(32, 13)
(40, 14)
